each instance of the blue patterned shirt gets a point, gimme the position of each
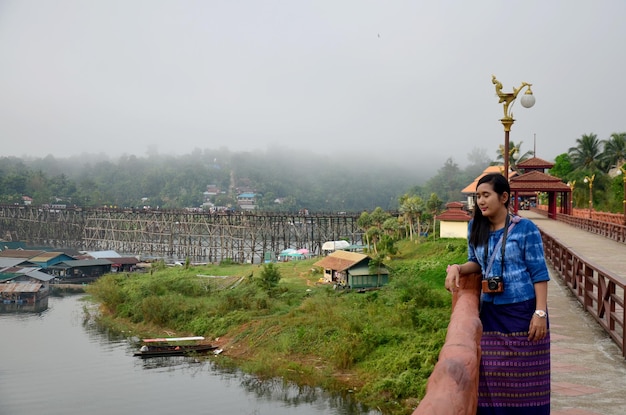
(525, 264)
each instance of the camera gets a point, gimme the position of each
(493, 285)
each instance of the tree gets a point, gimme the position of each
(411, 207)
(562, 167)
(434, 206)
(448, 182)
(586, 154)
(373, 235)
(614, 151)
(478, 160)
(364, 222)
(270, 276)
(515, 154)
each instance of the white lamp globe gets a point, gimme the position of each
(528, 99)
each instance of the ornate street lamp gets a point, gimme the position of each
(589, 180)
(571, 185)
(622, 171)
(507, 99)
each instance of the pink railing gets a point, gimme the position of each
(452, 388)
(600, 291)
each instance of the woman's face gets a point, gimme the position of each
(489, 202)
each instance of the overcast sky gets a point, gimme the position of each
(404, 78)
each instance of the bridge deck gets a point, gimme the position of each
(588, 370)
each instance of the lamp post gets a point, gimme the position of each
(571, 185)
(589, 180)
(507, 99)
(622, 171)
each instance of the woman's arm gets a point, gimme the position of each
(454, 272)
(539, 326)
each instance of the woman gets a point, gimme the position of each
(515, 361)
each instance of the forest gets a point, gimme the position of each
(282, 180)
(288, 180)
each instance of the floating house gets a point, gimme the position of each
(23, 285)
(81, 270)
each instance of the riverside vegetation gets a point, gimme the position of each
(278, 321)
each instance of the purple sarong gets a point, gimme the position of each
(514, 372)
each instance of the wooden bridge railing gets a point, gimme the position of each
(600, 291)
(452, 387)
(609, 225)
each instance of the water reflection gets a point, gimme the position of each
(270, 390)
(294, 395)
(97, 364)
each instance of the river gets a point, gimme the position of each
(58, 361)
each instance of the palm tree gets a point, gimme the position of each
(412, 208)
(364, 223)
(434, 205)
(586, 154)
(515, 154)
(614, 150)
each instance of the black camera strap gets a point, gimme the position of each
(501, 244)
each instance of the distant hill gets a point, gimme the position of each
(282, 180)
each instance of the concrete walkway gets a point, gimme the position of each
(588, 370)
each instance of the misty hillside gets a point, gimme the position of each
(283, 180)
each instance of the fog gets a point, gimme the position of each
(407, 81)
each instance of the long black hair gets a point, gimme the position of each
(479, 233)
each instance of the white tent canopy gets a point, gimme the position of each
(334, 245)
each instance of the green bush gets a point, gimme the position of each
(270, 277)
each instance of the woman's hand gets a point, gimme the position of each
(538, 328)
(452, 277)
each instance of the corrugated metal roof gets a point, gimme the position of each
(123, 260)
(46, 256)
(36, 274)
(20, 253)
(20, 287)
(340, 260)
(81, 263)
(10, 262)
(103, 254)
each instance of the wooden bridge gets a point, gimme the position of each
(176, 234)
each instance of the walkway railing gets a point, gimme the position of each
(609, 225)
(452, 387)
(600, 291)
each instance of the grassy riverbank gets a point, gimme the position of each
(380, 345)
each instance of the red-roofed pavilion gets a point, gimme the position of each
(533, 180)
(530, 180)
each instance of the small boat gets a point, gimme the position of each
(168, 346)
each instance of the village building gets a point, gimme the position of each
(123, 264)
(46, 259)
(246, 201)
(23, 285)
(81, 270)
(454, 221)
(526, 184)
(352, 270)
